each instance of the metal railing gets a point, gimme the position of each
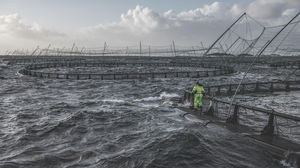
(260, 120)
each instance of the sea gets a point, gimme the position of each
(60, 123)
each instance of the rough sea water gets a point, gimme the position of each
(112, 124)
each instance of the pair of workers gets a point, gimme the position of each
(198, 91)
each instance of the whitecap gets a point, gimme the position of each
(285, 164)
(168, 95)
(148, 99)
(155, 105)
(113, 100)
(163, 95)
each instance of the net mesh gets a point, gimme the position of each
(248, 36)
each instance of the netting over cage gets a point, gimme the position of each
(287, 43)
(247, 36)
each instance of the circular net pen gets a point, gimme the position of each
(119, 71)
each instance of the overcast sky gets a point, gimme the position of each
(28, 23)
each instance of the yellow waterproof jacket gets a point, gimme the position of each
(198, 89)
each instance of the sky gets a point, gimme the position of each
(24, 24)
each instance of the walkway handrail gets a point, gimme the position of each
(254, 83)
(258, 109)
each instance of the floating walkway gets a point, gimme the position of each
(286, 64)
(278, 132)
(253, 87)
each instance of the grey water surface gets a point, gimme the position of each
(112, 124)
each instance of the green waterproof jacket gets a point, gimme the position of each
(198, 89)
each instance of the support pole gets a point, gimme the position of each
(232, 44)
(224, 34)
(251, 46)
(257, 56)
(174, 49)
(104, 48)
(35, 51)
(202, 45)
(140, 48)
(72, 48)
(48, 49)
(194, 51)
(81, 52)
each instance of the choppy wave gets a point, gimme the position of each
(60, 123)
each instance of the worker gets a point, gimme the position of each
(198, 91)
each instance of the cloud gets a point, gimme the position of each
(214, 10)
(190, 27)
(236, 10)
(142, 23)
(271, 12)
(12, 25)
(204, 24)
(138, 20)
(15, 34)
